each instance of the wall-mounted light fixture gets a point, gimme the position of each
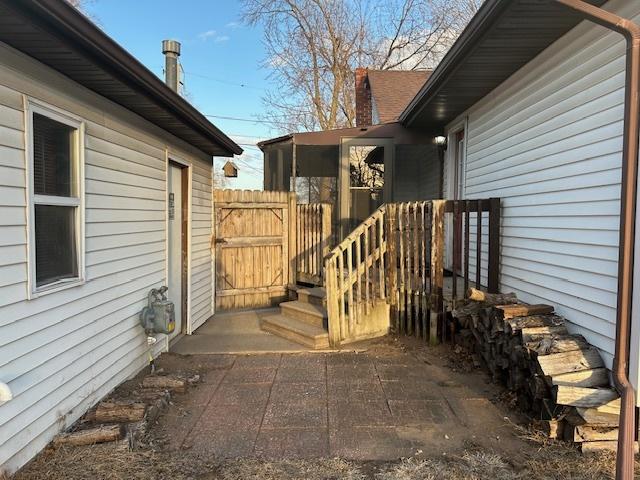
(441, 141)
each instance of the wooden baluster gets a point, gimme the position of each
(409, 270)
(467, 207)
(479, 245)
(359, 273)
(326, 234)
(352, 305)
(423, 271)
(455, 237)
(367, 254)
(428, 237)
(392, 243)
(382, 245)
(402, 283)
(416, 271)
(333, 305)
(343, 329)
(437, 277)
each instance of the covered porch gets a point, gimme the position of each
(355, 169)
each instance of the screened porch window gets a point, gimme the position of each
(55, 228)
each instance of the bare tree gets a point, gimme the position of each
(314, 46)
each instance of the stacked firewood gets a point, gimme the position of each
(124, 421)
(558, 378)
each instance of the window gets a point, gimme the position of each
(55, 221)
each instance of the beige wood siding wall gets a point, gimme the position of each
(548, 141)
(61, 352)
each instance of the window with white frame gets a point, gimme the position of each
(56, 240)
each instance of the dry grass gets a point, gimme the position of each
(333, 469)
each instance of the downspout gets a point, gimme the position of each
(631, 32)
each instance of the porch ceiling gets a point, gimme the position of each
(502, 37)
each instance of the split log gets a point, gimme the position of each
(591, 416)
(537, 333)
(584, 397)
(594, 433)
(612, 407)
(558, 344)
(521, 310)
(90, 436)
(167, 382)
(492, 298)
(515, 324)
(595, 377)
(119, 412)
(558, 363)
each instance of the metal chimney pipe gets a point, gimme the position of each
(171, 51)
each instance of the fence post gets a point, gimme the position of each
(493, 280)
(437, 269)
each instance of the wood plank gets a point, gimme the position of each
(584, 397)
(596, 377)
(558, 363)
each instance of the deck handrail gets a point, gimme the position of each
(402, 265)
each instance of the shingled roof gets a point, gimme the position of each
(392, 90)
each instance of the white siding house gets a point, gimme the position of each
(548, 142)
(64, 348)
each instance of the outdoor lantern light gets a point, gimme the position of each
(440, 140)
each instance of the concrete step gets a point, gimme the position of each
(297, 331)
(315, 296)
(305, 312)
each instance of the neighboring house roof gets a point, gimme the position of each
(392, 90)
(56, 34)
(394, 130)
(500, 39)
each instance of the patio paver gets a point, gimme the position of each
(351, 405)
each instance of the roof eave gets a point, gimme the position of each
(111, 56)
(465, 42)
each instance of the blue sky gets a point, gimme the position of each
(220, 56)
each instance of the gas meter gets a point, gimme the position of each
(159, 315)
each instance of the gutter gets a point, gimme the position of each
(628, 198)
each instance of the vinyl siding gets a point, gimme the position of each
(416, 173)
(548, 142)
(63, 351)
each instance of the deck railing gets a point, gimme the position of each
(356, 283)
(313, 241)
(406, 266)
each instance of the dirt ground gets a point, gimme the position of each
(517, 453)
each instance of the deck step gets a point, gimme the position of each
(295, 330)
(315, 296)
(309, 313)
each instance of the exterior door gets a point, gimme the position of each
(458, 194)
(177, 239)
(251, 248)
(365, 179)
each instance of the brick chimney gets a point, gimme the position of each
(363, 98)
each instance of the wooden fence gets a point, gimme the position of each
(413, 257)
(313, 234)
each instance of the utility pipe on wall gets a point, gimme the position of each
(631, 32)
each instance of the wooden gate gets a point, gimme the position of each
(252, 238)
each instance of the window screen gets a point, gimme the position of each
(52, 157)
(56, 201)
(55, 244)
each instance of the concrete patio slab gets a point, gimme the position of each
(234, 332)
(350, 405)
